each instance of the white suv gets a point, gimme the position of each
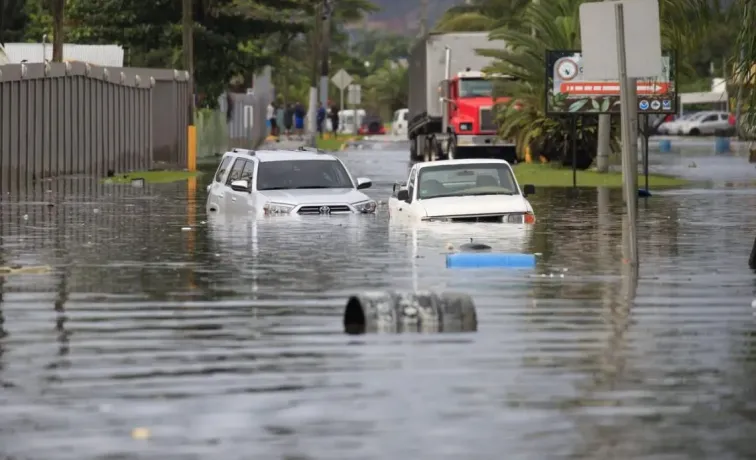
(281, 182)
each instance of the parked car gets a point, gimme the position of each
(399, 123)
(472, 190)
(372, 125)
(673, 125)
(286, 182)
(705, 123)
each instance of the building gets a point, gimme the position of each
(99, 55)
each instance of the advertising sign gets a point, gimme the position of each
(567, 92)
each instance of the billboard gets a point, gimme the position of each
(567, 92)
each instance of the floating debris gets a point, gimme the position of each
(140, 434)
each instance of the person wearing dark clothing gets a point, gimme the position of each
(321, 118)
(334, 115)
(299, 116)
(289, 119)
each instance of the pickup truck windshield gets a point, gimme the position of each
(302, 174)
(466, 180)
(475, 87)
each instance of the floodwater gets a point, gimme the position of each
(225, 341)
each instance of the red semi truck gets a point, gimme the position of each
(451, 113)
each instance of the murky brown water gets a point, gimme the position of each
(226, 341)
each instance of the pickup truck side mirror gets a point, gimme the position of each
(240, 186)
(528, 189)
(403, 195)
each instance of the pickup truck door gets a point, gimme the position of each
(403, 208)
(235, 174)
(216, 190)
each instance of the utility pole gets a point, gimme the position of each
(423, 26)
(324, 68)
(187, 24)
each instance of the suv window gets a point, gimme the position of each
(236, 171)
(222, 167)
(404, 116)
(301, 174)
(709, 118)
(248, 172)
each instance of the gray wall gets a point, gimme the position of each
(67, 119)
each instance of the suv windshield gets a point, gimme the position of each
(475, 87)
(278, 175)
(466, 180)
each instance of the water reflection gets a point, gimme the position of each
(190, 332)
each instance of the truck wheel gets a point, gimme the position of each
(429, 150)
(413, 149)
(451, 148)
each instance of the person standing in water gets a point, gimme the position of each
(288, 120)
(334, 115)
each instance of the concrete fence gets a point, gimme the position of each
(65, 119)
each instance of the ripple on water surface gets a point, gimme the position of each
(226, 341)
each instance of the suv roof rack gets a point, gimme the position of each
(247, 151)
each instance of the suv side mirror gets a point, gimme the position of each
(528, 189)
(240, 186)
(403, 195)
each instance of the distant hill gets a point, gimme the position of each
(403, 16)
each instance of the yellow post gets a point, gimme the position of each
(528, 155)
(191, 147)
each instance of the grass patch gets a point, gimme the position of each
(334, 144)
(546, 175)
(152, 177)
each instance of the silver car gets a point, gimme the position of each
(286, 182)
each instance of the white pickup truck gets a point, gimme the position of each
(474, 190)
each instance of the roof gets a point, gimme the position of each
(287, 155)
(472, 161)
(99, 55)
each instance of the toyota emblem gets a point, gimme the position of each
(325, 210)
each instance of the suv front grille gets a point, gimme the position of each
(487, 122)
(324, 209)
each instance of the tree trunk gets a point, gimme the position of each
(58, 12)
(604, 143)
(187, 24)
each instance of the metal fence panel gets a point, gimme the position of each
(76, 119)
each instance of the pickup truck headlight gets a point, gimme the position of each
(365, 207)
(465, 126)
(519, 218)
(277, 208)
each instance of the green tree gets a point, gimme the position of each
(387, 89)
(554, 25)
(482, 15)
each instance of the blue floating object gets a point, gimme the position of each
(722, 144)
(489, 260)
(643, 193)
(665, 146)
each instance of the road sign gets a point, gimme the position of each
(354, 97)
(342, 79)
(598, 36)
(569, 91)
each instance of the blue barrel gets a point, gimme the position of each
(489, 260)
(722, 144)
(665, 146)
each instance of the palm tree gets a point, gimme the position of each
(745, 70)
(387, 88)
(481, 15)
(555, 25)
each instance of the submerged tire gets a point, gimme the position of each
(391, 312)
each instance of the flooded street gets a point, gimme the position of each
(225, 341)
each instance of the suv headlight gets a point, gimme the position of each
(277, 208)
(365, 207)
